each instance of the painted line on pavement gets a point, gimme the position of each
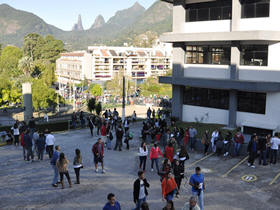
(205, 157)
(274, 180)
(234, 167)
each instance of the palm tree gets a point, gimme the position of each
(26, 65)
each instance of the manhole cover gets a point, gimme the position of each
(249, 178)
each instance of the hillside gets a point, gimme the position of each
(122, 27)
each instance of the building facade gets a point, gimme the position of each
(226, 66)
(100, 64)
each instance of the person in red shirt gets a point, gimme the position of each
(103, 132)
(239, 140)
(168, 187)
(23, 146)
(186, 138)
(169, 152)
(154, 156)
(98, 153)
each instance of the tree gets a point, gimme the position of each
(26, 65)
(152, 87)
(9, 93)
(9, 60)
(96, 90)
(91, 104)
(98, 108)
(32, 43)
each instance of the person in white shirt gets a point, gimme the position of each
(143, 153)
(275, 142)
(46, 117)
(50, 140)
(16, 133)
(191, 205)
(214, 137)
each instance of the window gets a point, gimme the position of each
(216, 10)
(254, 55)
(255, 8)
(251, 102)
(208, 55)
(205, 97)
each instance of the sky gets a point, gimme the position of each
(64, 13)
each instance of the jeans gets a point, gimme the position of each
(252, 157)
(200, 198)
(24, 152)
(192, 140)
(143, 160)
(49, 150)
(206, 147)
(273, 156)
(262, 157)
(155, 160)
(139, 203)
(77, 172)
(170, 196)
(29, 153)
(55, 176)
(118, 144)
(237, 148)
(40, 154)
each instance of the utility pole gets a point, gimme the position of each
(123, 102)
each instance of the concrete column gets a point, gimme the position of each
(27, 100)
(179, 15)
(235, 61)
(179, 56)
(236, 15)
(177, 101)
(232, 108)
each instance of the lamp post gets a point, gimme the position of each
(123, 102)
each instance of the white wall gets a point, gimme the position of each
(273, 55)
(256, 73)
(206, 26)
(207, 71)
(210, 115)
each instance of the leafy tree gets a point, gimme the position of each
(32, 43)
(9, 60)
(9, 93)
(152, 87)
(26, 65)
(91, 104)
(98, 108)
(96, 90)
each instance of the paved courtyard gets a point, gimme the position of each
(28, 185)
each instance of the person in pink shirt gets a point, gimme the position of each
(154, 156)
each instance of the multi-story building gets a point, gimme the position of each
(99, 64)
(226, 66)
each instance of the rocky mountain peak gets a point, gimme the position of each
(99, 22)
(79, 25)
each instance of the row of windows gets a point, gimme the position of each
(250, 55)
(222, 10)
(219, 99)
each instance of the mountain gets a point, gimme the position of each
(124, 26)
(99, 22)
(15, 24)
(79, 25)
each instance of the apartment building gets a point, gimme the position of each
(100, 64)
(226, 66)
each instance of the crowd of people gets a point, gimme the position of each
(160, 138)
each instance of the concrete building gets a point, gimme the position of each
(226, 68)
(99, 64)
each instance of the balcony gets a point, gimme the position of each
(206, 26)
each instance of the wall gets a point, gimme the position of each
(206, 26)
(207, 71)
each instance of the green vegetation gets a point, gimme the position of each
(96, 90)
(93, 105)
(152, 87)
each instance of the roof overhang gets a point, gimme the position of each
(188, 1)
(226, 84)
(270, 36)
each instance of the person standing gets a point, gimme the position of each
(119, 137)
(22, 144)
(50, 140)
(169, 187)
(74, 120)
(275, 142)
(53, 164)
(32, 126)
(169, 152)
(77, 163)
(206, 141)
(103, 132)
(140, 191)
(192, 133)
(91, 125)
(82, 120)
(214, 138)
(15, 130)
(62, 166)
(98, 153)
(198, 186)
(238, 140)
(112, 203)
(134, 116)
(191, 205)
(262, 150)
(41, 143)
(28, 145)
(178, 172)
(252, 150)
(143, 153)
(154, 156)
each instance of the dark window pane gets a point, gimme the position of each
(216, 13)
(254, 55)
(203, 14)
(193, 15)
(251, 102)
(262, 10)
(227, 13)
(248, 11)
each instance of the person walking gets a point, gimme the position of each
(275, 142)
(214, 138)
(154, 156)
(74, 120)
(178, 172)
(15, 130)
(22, 144)
(91, 125)
(77, 164)
(62, 166)
(186, 137)
(143, 153)
(206, 140)
(31, 126)
(198, 186)
(192, 134)
(41, 143)
(262, 150)
(191, 205)
(103, 132)
(53, 164)
(28, 145)
(252, 150)
(169, 187)
(119, 137)
(110, 138)
(98, 153)
(112, 203)
(50, 140)
(134, 116)
(238, 141)
(169, 152)
(140, 191)
(169, 206)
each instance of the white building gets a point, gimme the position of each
(226, 66)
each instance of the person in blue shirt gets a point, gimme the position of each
(53, 164)
(198, 186)
(112, 203)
